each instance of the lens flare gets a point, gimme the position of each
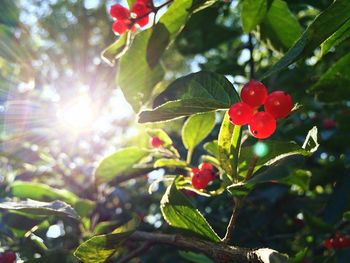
(77, 115)
(260, 149)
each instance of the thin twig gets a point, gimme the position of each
(232, 223)
(135, 253)
(251, 59)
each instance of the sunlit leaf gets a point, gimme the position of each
(120, 162)
(99, 248)
(180, 213)
(197, 128)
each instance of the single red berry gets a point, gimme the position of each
(254, 93)
(206, 166)
(279, 104)
(119, 12)
(156, 142)
(120, 26)
(146, 2)
(328, 243)
(141, 10)
(199, 181)
(336, 242)
(10, 257)
(262, 125)
(329, 123)
(240, 113)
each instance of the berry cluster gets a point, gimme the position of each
(126, 19)
(262, 125)
(202, 175)
(337, 242)
(156, 142)
(8, 257)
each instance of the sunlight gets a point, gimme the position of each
(77, 115)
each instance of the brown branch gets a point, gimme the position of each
(135, 253)
(219, 252)
(251, 59)
(232, 224)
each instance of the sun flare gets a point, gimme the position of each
(77, 115)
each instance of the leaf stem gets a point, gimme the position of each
(189, 155)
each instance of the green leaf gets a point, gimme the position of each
(280, 28)
(44, 192)
(137, 82)
(39, 191)
(195, 93)
(180, 213)
(169, 163)
(120, 162)
(56, 208)
(117, 49)
(146, 50)
(283, 173)
(334, 84)
(253, 12)
(339, 36)
(277, 151)
(324, 25)
(212, 148)
(229, 145)
(197, 128)
(99, 248)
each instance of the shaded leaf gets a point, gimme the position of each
(277, 151)
(44, 192)
(195, 93)
(56, 208)
(180, 213)
(253, 12)
(318, 31)
(334, 84)
(280, 28)
(339, 36)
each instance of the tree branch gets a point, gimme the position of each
(233, 220)
(251, 59)
(219, 252)
(135, 253)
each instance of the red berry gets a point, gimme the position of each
(240, 113)
(254, 93)
(206, 166)
(9, 256)
(119, 12)
(120, 26)
(328, 243)
(141, 10)
(156, 142)
(262, 125)
(279, 104)
(329, 123)
(199, 181)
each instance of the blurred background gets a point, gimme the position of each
(61, 112)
